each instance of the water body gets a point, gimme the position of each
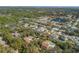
(60, 20)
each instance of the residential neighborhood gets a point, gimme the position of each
(39, 30)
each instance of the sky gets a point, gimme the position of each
(39, 2)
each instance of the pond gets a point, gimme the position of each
(60, 20)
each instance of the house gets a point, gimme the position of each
(62, 38)
(69, 16)
(40, 29)
(26, 25)
(55, 29)
(15, 34)
(47, 32)
(1, 38)
(6, 25)
(28, 39)
(3, 42)
(48, 44)
(53, 36)
(43, 20)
